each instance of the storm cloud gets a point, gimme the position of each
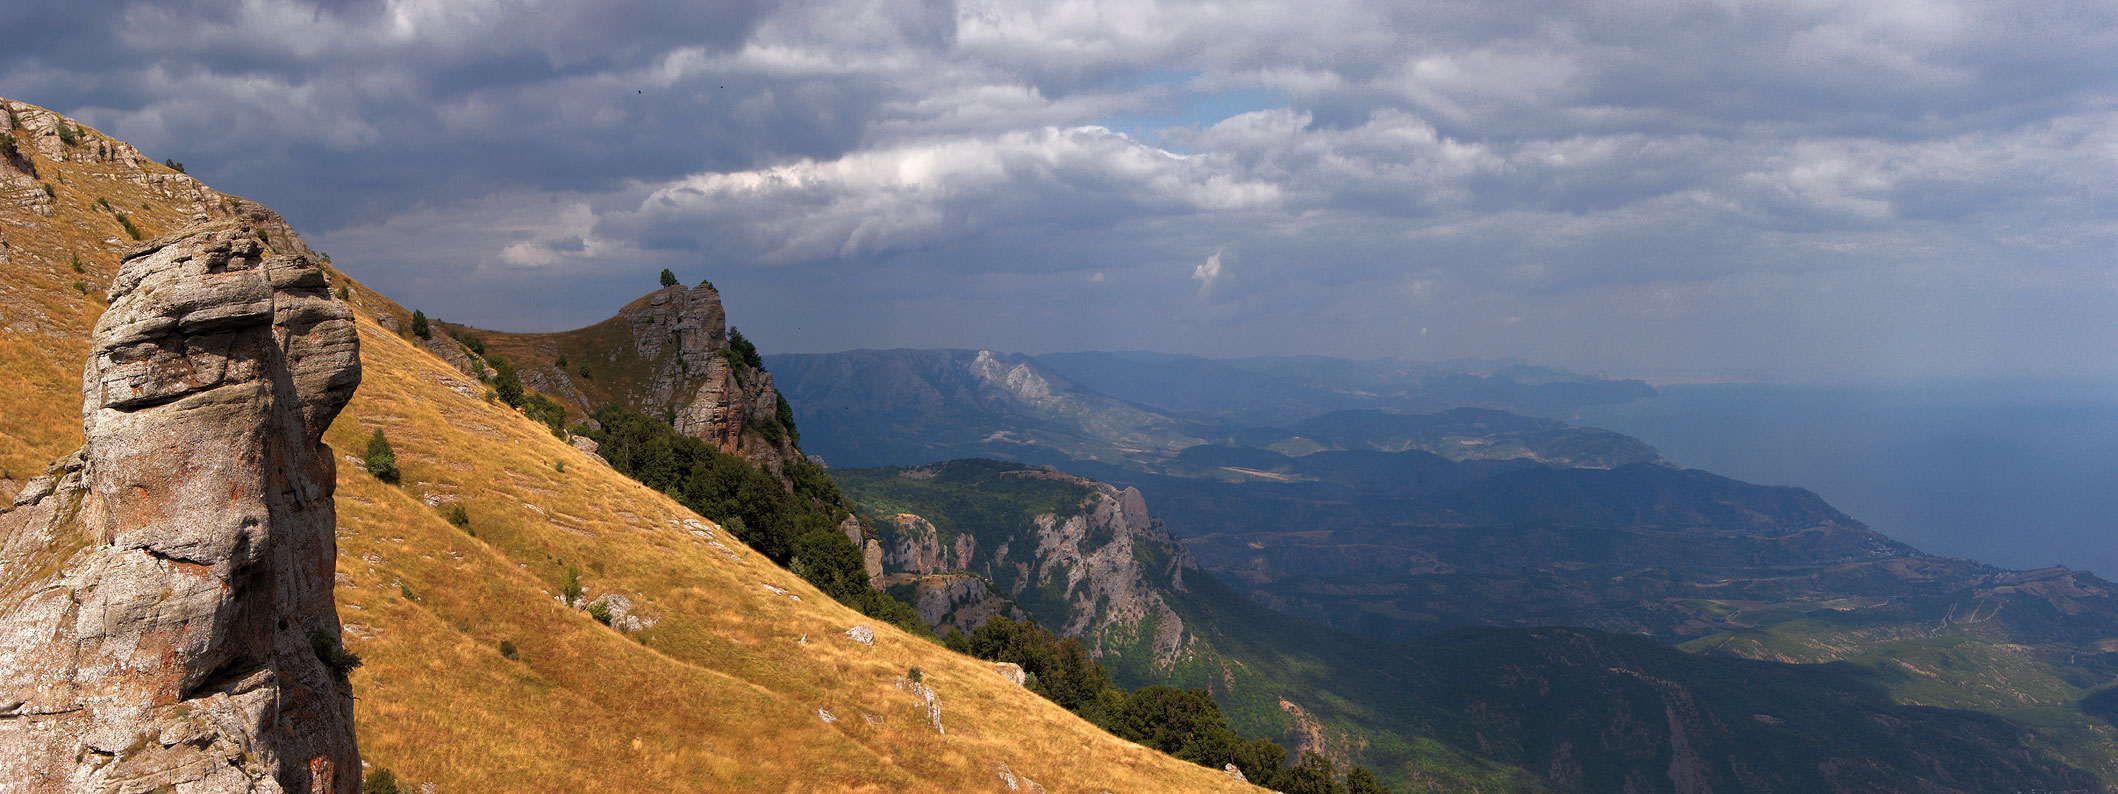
(1793, 190)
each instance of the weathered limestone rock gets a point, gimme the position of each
(1110, 561)
(1012, 672)
(694, 382)
(166, 618)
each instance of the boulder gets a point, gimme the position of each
(168, 621)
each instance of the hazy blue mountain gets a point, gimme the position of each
(899, 407)
(1275, 390)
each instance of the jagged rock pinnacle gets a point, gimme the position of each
(166, 616)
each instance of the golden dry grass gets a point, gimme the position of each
(45, 318)
(718, 695)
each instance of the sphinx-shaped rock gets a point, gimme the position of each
(166, 616)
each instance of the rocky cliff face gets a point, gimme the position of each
(166, 615)
(1096, 568)
(667, 354)
(684, 332)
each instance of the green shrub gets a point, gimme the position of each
(405, 590)
(541, 408)
(380, 781)
(600, 611)
(8, 148)
(130, 230)
(381, 460)
(469, 340)
(559, 362)
(458, 517)
(104, 203)
(744, 350)
(343, 294)
(81, 287)
(917, 675)
(668, 279)
(333, 654)
(77, 264)
(584, 373)
(67, 134)
(506, 383)
(1362, 781)
(420, 327)
(173, 165)
(570, 587)
(263, 237)
(507, 651)
(49, 191)
(559, 466)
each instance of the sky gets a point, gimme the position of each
(1803, 191)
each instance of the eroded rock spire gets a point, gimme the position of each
(166, 616)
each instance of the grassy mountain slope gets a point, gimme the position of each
(719, 693)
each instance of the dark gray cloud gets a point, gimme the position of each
(1678, 189)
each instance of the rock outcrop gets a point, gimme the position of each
(166, 615)
(1101, 569)
(669, 354)
(710, 394)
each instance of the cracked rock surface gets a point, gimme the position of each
(166, 617)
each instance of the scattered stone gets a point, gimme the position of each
(826, 716)
(1234, 773)
(1016, 782)
(862, 635)
(926, 695)
(622, 614)
(1012, 672)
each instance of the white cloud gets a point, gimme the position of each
(1209, 271)
(1476, 160)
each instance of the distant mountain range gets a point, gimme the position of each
(904, 407)
(1268, 390)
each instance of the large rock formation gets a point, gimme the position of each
(166, 616)
(1100, 568)
(709, 393)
